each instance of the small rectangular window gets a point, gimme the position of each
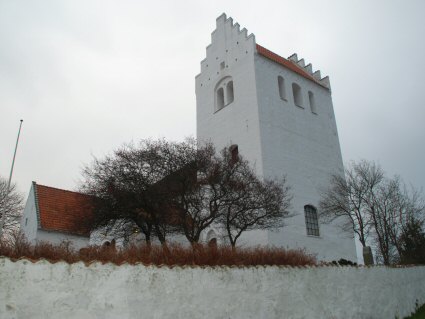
(312, 102)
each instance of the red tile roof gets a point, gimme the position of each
(63, 211)
(284, 62)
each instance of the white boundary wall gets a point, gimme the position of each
(44, 290)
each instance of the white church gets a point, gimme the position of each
(278, 113)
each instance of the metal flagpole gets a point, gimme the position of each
(3, 215)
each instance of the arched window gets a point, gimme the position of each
(220, 98)
(281, 85)
(229, 91)
(224, 93)
(311, 220)
(312, 102)
(298, 98)
(211, 238)
(210, 235)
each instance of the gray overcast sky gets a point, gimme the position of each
(88, 76)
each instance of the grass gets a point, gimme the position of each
(419, 314)
(172, 254)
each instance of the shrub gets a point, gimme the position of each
(343, 262)
(172, 254)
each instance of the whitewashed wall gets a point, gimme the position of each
(56, 238)
(274, 135)
(304, 147)
(29, 223)
(236, 123)
(44, 290)
(34, 234)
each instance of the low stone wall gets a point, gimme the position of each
(60, 290)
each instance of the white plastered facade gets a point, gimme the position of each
(31, 228)
(275, 135)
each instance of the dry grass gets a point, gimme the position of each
(173, 254)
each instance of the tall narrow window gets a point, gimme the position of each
(234, 153)
(220, 98)
(312, 102)
(229, 92)
(311, 220)
(298, 98)
(281, 85)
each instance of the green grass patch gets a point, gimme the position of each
(419, 314)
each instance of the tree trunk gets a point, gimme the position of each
(160, 235)
(148, 240)
(233, 247)
(166, 251)
(148, 244)
(195, 246)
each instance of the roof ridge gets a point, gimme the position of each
(286, 63)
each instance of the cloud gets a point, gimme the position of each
(87, 76)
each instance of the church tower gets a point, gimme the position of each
(280, 115)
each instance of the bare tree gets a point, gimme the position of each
(251, 202)
(348, 198)
(165, 187)
(198, 188)
(408, 216)
(223, 189)
(412, 242)
(374, 206)
(11, 204)
(131, 187)
(383, 210)
(393, 208)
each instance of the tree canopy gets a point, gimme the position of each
(159, 188)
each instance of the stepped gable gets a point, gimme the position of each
(238, 42)
(63, 211)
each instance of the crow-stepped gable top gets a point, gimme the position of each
(292, 63)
